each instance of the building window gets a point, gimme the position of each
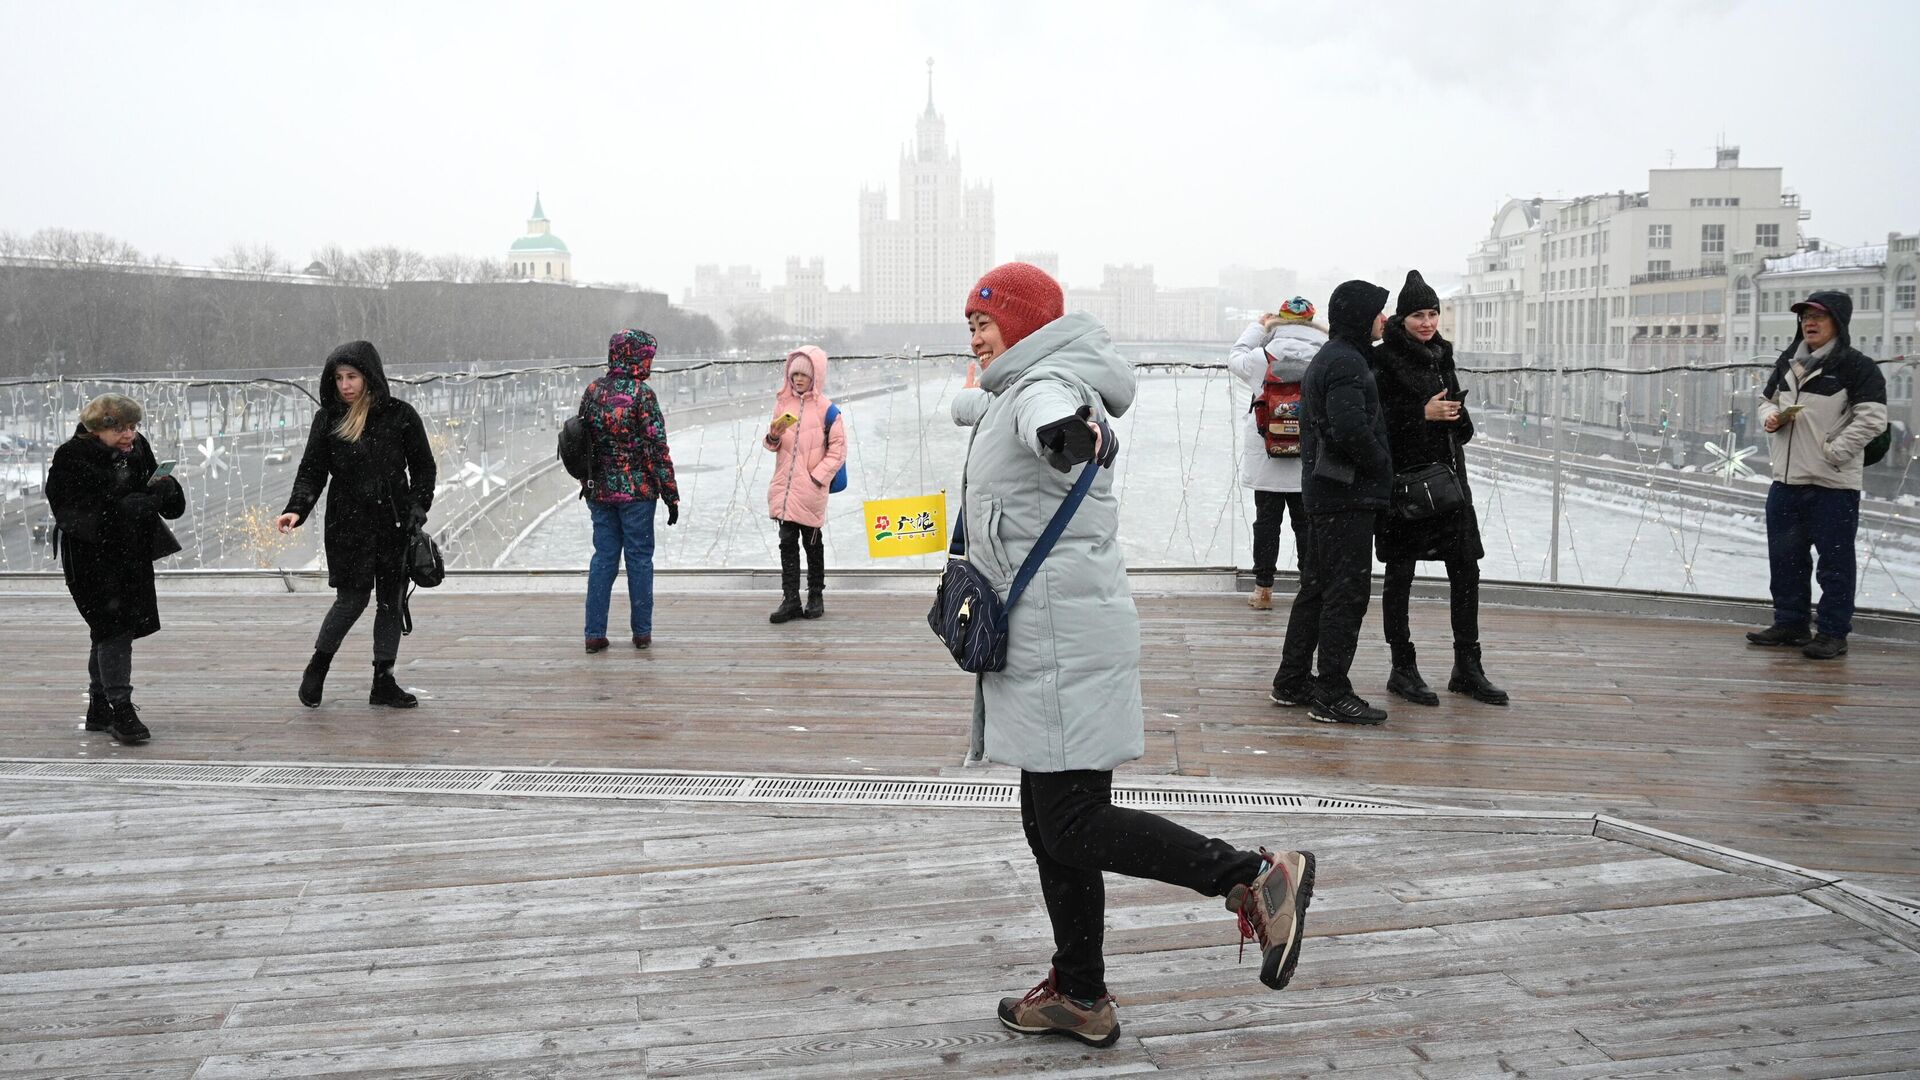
(1659, 266)
(1583, 277)
(1903, 290)
(1742, 299)
(1698, 202)
(1660, 236)
(1766, 236)
(1713, 239)
(1606, 275)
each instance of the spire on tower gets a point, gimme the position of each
(929, 86)
(538, 214)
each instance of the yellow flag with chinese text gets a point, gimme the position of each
(914, 526)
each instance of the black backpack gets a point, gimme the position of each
(576, 447)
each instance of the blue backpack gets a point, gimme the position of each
(840, 478)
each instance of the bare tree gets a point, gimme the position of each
(386, 264)
(253, 259)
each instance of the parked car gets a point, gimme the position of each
(278, 455)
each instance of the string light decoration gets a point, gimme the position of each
(1632, 513)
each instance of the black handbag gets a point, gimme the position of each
(164, 543)
(967, 614)
(1425, 492)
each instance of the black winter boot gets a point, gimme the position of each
(816, 605)
(788, 610)
(1405, 681)
(99, 713)
(387, 692)
(123, 723)
(315, 678)
(1468, 678)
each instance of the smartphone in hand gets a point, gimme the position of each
(164, 470)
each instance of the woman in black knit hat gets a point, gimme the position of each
(1427, 423)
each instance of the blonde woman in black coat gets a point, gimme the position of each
(368, 451)
(108, 506)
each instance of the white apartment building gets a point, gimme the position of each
(1624, 279)
(915, 268)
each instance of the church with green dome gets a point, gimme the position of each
(539, 255)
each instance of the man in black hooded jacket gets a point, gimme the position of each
(1347, 479)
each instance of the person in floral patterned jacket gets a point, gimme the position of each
(632, 472)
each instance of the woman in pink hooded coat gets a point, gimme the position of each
(807, 454)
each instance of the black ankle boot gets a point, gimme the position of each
(788, 610)
(387, 692)
(315, 678)
(99, 713)
(123, 723)
(1468, 678)
(1405, 681)
(816, 605)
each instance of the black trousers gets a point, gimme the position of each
(1463, 596)
(1268, 508)
(1076, 834)
(346, 609)
(1336, 581)
(793, 537)
(110, 669)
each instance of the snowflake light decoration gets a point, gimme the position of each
(1730, 463)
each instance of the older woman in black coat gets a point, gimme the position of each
(108, 507)
(1427, 423)
(368, 451)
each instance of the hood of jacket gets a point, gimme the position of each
(1075, 346)
(361, 356)
(1295, 343)
(1351, 312)
(630, 353)
(1840, 305)
(809, 360)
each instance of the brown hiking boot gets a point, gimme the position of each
(1273, 911)
(1047, 1011)
(1262, 598)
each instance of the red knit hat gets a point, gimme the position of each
(1019, 297)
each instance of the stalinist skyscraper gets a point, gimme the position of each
(915, 269)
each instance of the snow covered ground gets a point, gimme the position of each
(1182, 504)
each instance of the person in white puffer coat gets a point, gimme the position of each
(1288, 337)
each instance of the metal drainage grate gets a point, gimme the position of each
(664, 787)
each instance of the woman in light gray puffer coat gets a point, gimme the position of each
(1066, 708)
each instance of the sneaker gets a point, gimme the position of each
(596, 644)
(1047, 1011)
(1823, 647)
(643, 641)
(1292, 694)
(1780, 635)
(1348, 708)
(99, 713)
(1273, 911)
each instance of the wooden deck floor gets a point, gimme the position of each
(1667, 722)
(219, 936)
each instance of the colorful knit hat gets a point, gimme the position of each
(1019, 297)
(1299, 309)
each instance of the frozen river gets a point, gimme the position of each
(1182, 503)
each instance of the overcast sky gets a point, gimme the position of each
(1187, 135)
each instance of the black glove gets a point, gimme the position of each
(138, 503)
(1109, 442)
(673, 513)
(416, 517)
